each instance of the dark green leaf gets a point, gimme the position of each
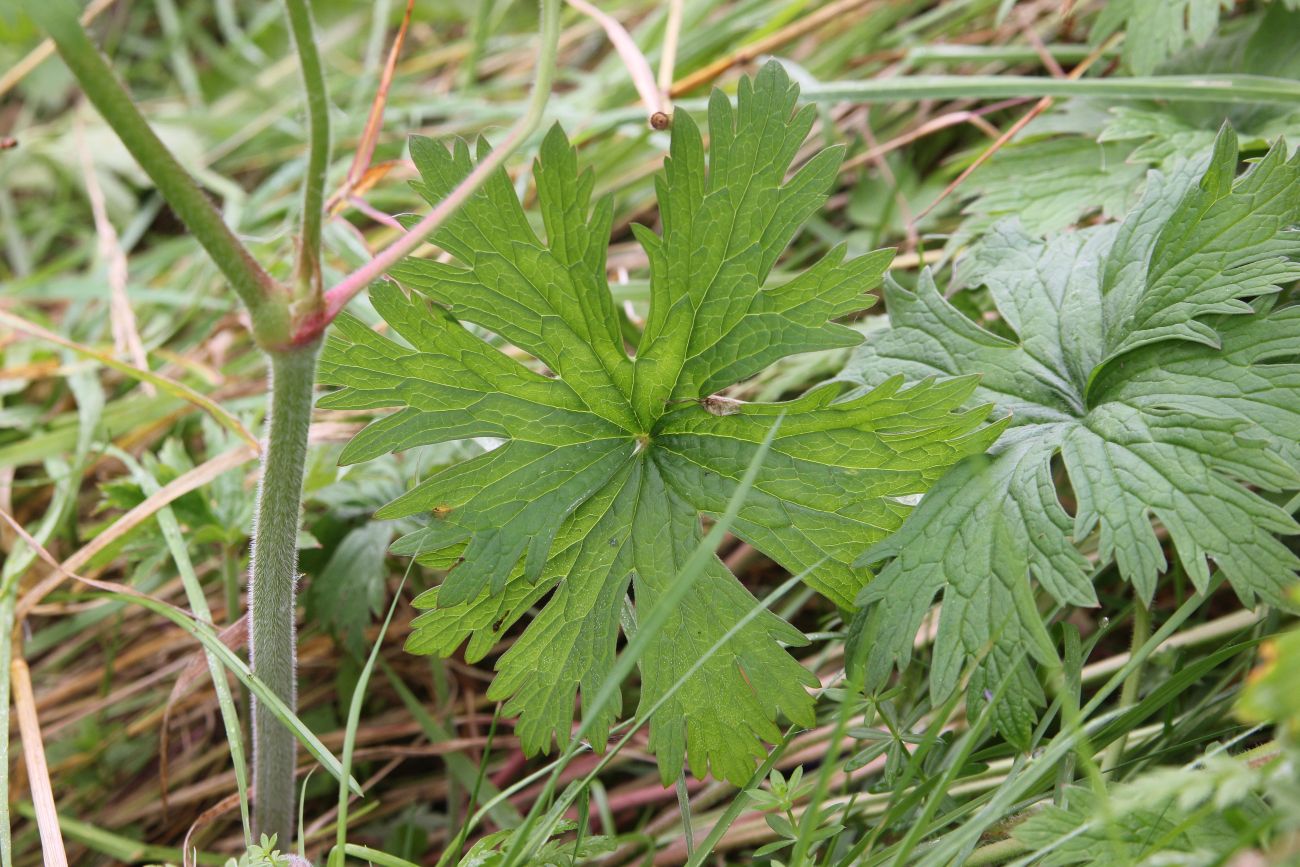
(608, 464)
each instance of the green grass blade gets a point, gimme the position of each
(1174, 88)
(376, 857)
(206, 635)
(115, 846)
(175, 540)
(354, 720)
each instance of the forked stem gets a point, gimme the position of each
(272, 584)
(287, 323)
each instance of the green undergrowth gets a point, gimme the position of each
(720, 494)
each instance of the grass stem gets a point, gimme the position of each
(1133, 683)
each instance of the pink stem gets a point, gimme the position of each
(374, 213)
(337, 297)
(637, 66)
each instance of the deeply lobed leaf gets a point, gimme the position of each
(594, 499)
(1149, 358)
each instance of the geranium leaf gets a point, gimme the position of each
(608, 464)
(1149, 358)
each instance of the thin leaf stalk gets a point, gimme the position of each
(337, 297)
(273, 580)
(307, 296)
(7, 601)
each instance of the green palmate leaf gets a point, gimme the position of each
(606, 465)
(1263, 44)
(1200, 813)
(1048, 183)
(1148, 358)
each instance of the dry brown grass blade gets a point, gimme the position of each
(179, 389)
(931, 126)
(38, 773)
(233, 636)
(192, 480)
(1040, 48)
(206, 818)
(1039, 107)
(374, 175)
(374, 122)
(65, 571)
(126, 337)
(830, 13)
(635, 62)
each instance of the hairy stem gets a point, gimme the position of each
(318, 151)
(273, 310)
(272, 584)
(8, 598)
(261, 294)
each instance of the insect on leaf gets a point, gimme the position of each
(609, 463)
